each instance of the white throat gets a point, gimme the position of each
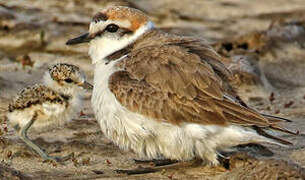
(103, 47)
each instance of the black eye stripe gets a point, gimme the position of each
(127, 31)
(99, 33)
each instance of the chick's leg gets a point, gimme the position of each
(23, 134)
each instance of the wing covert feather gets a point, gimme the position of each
(173, 84)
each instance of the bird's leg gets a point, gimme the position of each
(23, 134)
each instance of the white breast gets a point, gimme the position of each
(125, 128)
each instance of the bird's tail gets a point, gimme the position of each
(274, 120)
(278, 140)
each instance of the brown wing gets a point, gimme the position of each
(33, 95)
(170, 83)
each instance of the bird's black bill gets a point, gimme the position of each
(81, 39)
(87, 85)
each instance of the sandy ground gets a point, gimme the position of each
(266, 40)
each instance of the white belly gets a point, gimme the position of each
(152, 139)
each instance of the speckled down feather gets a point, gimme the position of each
(37, 94)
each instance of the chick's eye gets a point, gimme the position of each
(68, 80)
(112, 28)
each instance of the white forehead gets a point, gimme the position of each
(100, 25)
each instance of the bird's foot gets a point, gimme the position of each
(139, 170)
(223, 160)
(58, 159)
(156, 162)
(168, 164)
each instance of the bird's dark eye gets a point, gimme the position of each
(68, 80)
(112, 28)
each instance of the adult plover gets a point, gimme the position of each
(52, 104)
(163, 95)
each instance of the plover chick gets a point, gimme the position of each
(163, 95)
(41, 107)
